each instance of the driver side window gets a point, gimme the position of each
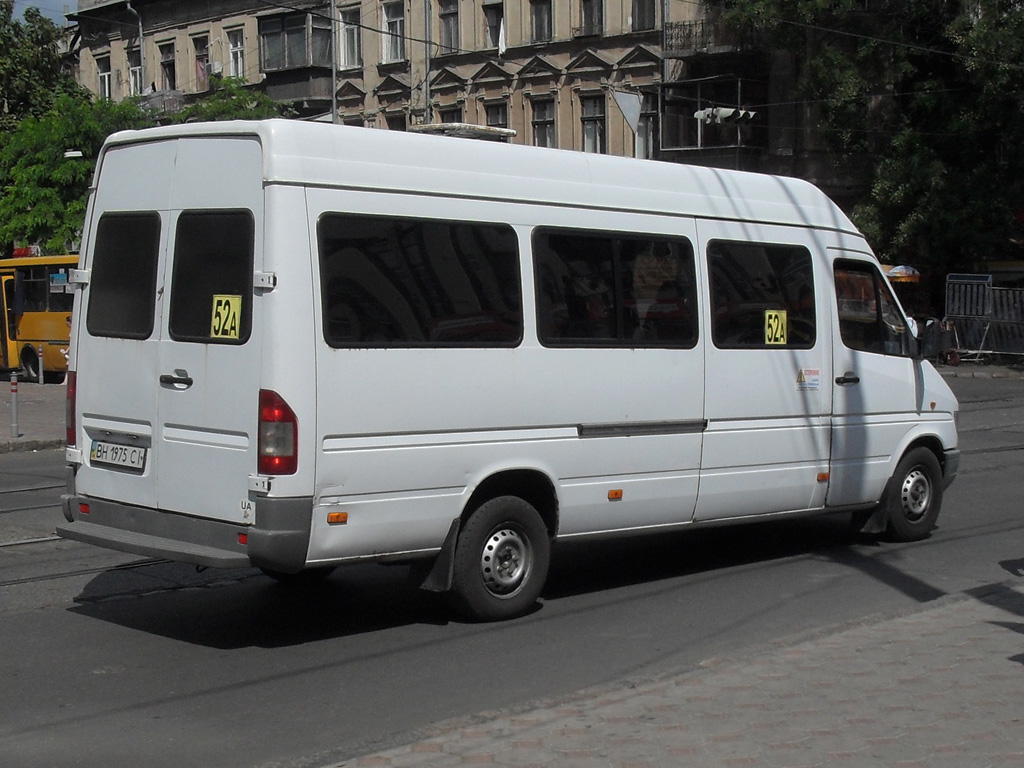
(870, 320)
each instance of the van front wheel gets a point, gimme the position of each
(501, 560)
(914, 496)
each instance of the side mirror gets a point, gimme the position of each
(928, 339)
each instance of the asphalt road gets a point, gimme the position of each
(110, 659)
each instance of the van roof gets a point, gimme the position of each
(298, 152)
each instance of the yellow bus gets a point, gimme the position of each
(38, 319)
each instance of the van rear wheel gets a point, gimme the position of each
(501, 560)
(914, 496)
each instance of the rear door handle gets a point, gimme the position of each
(180, 379)
(848, 378)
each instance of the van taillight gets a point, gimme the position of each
(69, 409)
(278, 437)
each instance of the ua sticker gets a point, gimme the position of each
(227, 317)
(775, 327)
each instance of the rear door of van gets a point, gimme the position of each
(168, 384)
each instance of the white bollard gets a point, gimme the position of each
(14, 405)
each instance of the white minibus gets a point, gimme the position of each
(297, 346)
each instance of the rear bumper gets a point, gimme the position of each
(279, 541)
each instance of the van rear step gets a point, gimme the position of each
(154, 533)
(152, 546)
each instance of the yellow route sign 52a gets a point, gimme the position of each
(227, 317)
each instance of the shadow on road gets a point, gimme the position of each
(233, 609)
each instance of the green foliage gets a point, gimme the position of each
(929, 93)
(31, 75)
(230, 99)
(44, 193)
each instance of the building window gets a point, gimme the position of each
(646, 141)
(297, 40)
(236, 49)
(134, 73)
(202, 48)
(103, 80)
(393, 38)
(592, 121)
(643, 15)
(591, 17)
(448, 10)
(497, 115)
(540, 21)
(351, 38)
(168, 76)
(544, 123)
(320, 41)
(494, 26)
(395, 122)
(450, 114)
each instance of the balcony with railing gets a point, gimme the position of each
(686, 39)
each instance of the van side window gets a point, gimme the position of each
(869, 318)
(122, 284)
(390, 282)
(599, 289)
(211, 282)
(762, 296)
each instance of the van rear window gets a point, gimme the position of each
(211, 284)
(122, 285)
(390, 282)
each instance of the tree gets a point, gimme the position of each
(930, 94)
(45, 191)
(31, 68)
(230, 99)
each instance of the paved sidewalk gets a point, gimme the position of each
(942, 686)
(40, 416)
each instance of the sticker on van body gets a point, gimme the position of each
(226, 322)
(775, 327)
(808, 378)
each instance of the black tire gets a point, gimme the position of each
(310, 577)
(501, 560)
(913, 496)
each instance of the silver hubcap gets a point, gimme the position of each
(505, 562)
(916, 495)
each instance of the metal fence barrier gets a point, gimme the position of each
(986, 320)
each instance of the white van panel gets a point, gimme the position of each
(406, 423)
(200, 436)
(767, 409)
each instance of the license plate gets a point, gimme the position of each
(122, 456)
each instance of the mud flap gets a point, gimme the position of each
(872, 520)
(441, 574)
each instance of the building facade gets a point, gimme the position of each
(623, 77)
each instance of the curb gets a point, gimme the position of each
(23, 446)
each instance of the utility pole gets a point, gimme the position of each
(334, 62)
